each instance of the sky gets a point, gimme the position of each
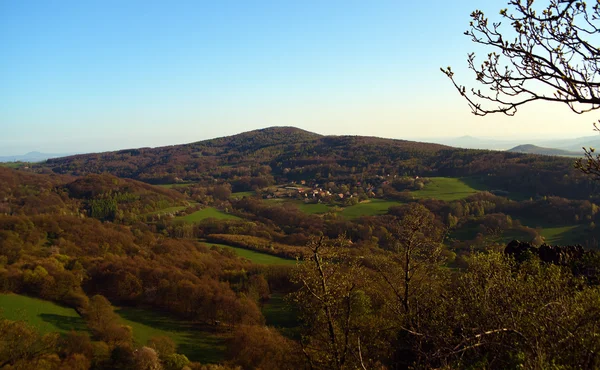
(88, 76)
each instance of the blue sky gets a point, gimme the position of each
(79, 76)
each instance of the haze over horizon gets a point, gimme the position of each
(89, 77)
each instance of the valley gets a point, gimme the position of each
(211, 247)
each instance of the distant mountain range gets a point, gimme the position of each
(534, 149)
(32, 157)
(572, 146)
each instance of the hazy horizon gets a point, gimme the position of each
(91, 77)
(160, 142)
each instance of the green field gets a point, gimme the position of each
(257, 257)
(177, 185)
(197, 343)
(44, 315)
(313, 208)
(445, 188)
(168, 210)
(554, 235)
(241, 194)
(279, 313)
(205, 213)
(370, 207)
(14, 164)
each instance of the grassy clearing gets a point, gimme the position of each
(177, 185)
(257, 257)
(198, 343)
(281, 315)
(44, 315)
(313, 208)
(14, 164)
(370, 207)
(558, 234)
(445, 188)
(168, 210)
(205, 213)
(242, 194)
(561, 235)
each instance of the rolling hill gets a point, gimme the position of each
(534, 149)
(280, 155)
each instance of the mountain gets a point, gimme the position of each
(573, 144)
(534, 149)
(273, 150)
(32, 157)
(471, 142)
(280, 155)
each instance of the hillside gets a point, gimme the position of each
(280, 155)
(534, 149)
(199, 269)
(23, 192)
(243, 155)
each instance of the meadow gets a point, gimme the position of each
(446, 188)
(168, 210)
(208, 212)
(242, 194)
(199, 343)
(313, 208)
(279, 313)
(46, 316)
(256, 257)
(176, 185)
(371, 207)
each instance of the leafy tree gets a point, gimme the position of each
(530, 315)
(549, 53)
(335, 310)
(551, 57)
(412, 278)
(22, 345)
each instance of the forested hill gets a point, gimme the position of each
(534, 149)
(243, 154)
(282, 154)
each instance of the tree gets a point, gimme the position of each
(551, 57)
(416, 255)
(549, 54)
(335, 310)
(412, 278)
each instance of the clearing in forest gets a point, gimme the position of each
(208, 212)
(46, 316)
(198, 343)
(445, 188)
(256, 257)
(371, 207)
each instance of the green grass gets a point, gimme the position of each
(241, 194)
(14, 164)
(208, 212)
(257, 257)
(177, 185)
(196, 342)
(558, 234)
(278, 313)
(44, 315)
(445, 188)
(370, 207)
(313, 208)
(168, 210)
